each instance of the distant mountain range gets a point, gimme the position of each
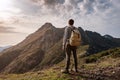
(43, 48)
(2, 48)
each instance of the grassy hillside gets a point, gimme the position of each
(102, 59)
(101, 66)
(48, 74)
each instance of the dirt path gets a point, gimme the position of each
(108, 73)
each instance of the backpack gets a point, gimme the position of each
(75, 38)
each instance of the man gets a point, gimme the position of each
(68, 48)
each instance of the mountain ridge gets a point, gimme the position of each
(39, 49)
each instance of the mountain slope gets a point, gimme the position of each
(43, 48)
(99, 43)
(3, 48)
(88, 71)
(35, 44)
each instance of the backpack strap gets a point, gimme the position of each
(72, 29)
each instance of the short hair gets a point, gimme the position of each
(71, 22)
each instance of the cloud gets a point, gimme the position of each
(53, 3)
(68, 8)
(48, 2)
(26, 7)
(4, 29)
(27, 16)
(96, 15)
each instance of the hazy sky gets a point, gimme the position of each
(19, 18)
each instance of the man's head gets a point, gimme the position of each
(71, 22)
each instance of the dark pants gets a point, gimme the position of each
(70, 49)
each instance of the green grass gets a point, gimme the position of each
(53, 73)
(113, 53)
(102, 59)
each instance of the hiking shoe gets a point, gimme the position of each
(76, 71)
(71, 70)
(65, 71)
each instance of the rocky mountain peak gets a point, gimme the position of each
(47, 25)
(108, 36)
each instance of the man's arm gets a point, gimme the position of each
(65, 37)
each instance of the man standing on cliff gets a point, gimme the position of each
(68, 47)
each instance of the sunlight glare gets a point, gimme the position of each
(5, 4)
(5, 8)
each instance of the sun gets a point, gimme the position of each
(5, 7)
(5, 4)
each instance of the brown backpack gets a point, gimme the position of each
(75, 38)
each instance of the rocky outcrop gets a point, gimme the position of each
(99, 43)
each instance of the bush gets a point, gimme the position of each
(114, 53)
(91, 59)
